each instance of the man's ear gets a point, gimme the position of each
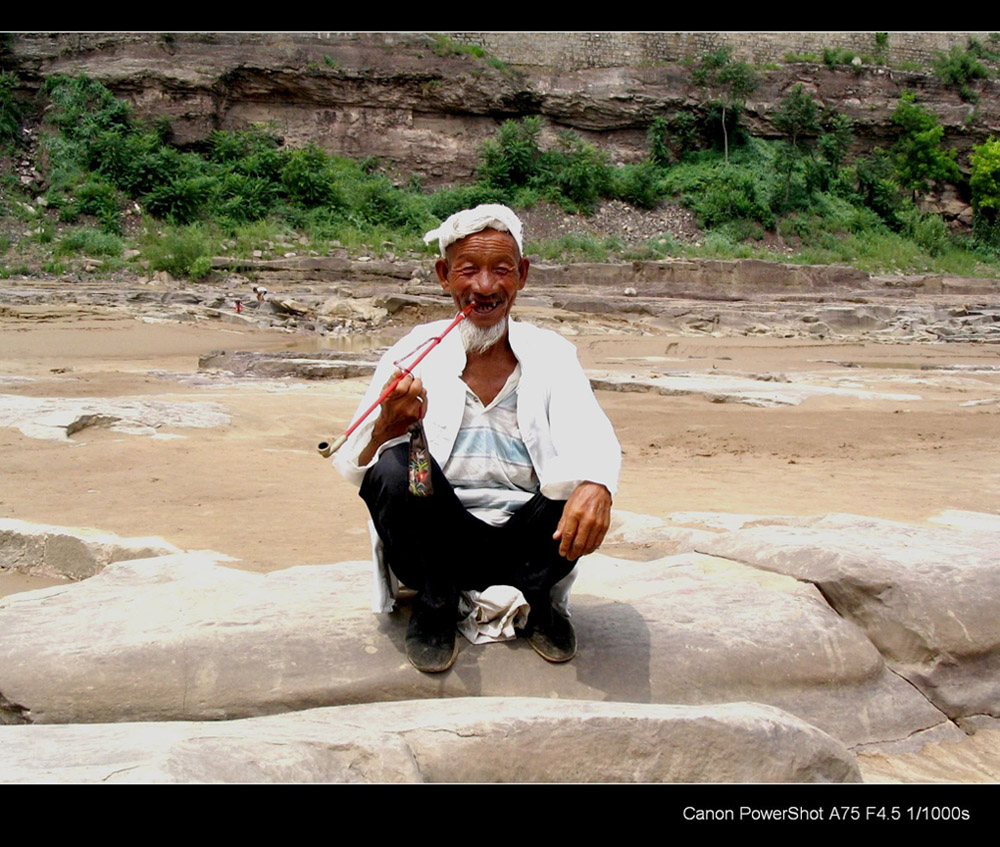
(441, 266)
(522, 271)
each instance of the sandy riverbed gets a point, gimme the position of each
(257, 490)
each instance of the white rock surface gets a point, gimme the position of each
(928, 598)
(734, 389)
(57, 418)
(178, 637)
(455, 740)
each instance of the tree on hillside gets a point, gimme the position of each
(797, 117)
(917, 153)
(985, 185)
(728, 84)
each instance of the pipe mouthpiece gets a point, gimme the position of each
(328, 448)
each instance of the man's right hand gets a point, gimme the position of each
(399, 411)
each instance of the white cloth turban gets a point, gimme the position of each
(468, 221)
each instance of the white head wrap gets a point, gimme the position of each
(468, 221)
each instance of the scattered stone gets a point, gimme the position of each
(393, 303)
(355, 308)
(293, 307)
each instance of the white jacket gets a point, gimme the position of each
(568, 436)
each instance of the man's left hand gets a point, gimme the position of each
(585, 520)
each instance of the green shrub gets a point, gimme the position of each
(99, 198)
(10, 111)
(726, 193)
(178, 250)
(919, 157)
(637, 184)
(380, 204)
(307, 178)
(881, 47)
(241, 198)
(985, 185)
(929, 231)
(959, 67)
(447, 201)
(656, 137)
(253, 151)
(877, 187)
(684, 134)
(580, 172)
(181, 200)
(513, 158)
(83, 107)
(834, 56)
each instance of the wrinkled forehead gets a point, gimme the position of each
(484, 238)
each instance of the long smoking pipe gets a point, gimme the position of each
(328, 448)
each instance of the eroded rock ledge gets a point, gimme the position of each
(486, 739)
(881, 634)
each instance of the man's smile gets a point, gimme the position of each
(486, 305)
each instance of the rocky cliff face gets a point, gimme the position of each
(392, 96)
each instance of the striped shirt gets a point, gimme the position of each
(489, 467)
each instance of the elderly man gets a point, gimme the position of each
(525, 462)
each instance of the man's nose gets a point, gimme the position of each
(484, 282)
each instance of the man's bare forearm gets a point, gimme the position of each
(377, 440)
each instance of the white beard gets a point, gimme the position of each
(479, 340)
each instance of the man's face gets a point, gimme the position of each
(484, 268)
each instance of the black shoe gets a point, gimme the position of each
(430, 638)
(551, 635)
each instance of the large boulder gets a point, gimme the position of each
(456, 740)
(927, 597)
(180, 637)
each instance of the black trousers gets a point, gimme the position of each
(436, 547)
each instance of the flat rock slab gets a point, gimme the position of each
(734, 389)
(57, 418)
(73, 552)
(179, 637)
(457, 740)
(319, 365)
(927, 597)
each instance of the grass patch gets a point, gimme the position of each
(812, 58)
(576, 247)
(444, 46)
(89, 242)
